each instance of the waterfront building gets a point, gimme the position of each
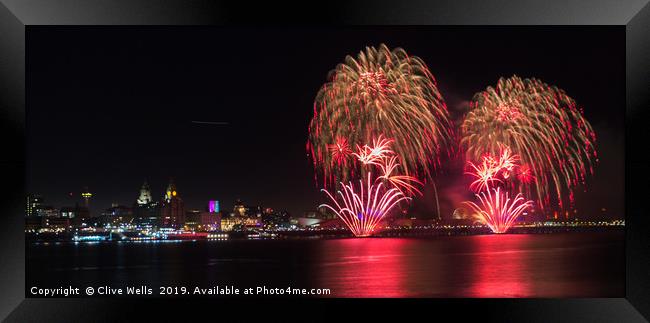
(240, 223)
(172, 209)
(117, 215)
(144, 207)
(68, 212)
(239, 209)
(275, 219)
(86, 195)
(47, 211)
(203, 221)
(56, 224)
(460, 214)
(34, 202)
(145, 195)
(213, 206)
(309, 218)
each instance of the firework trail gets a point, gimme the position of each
(542, 125)
(380, 91)
(497, 210)
(363, 208)
(380, 154)
(401, 182)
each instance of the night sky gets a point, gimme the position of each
(108, 108)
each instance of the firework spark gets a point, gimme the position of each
(497, 210)
(404, 183)
(486, 173)
(363, 208)
(340, 150)
(525, 175)
(542, 125)
(380, 91)
(372, 155)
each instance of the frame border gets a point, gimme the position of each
(17, 15)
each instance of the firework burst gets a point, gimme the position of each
(372, 155)
(340, 151)
(491, 167)
(380, 91)
(485, 174)
(497, 210)
(542, 125)
(361, 209)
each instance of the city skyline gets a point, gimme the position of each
(110, 114)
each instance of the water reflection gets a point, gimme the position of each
(368, 267)
(509, 265)
(538, 265)
(500, 266)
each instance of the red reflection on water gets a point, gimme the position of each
(365, 267)
(501, 266)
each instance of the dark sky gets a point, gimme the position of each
(108, 108)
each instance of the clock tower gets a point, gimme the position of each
(173, 209)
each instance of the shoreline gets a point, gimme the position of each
(344, 234)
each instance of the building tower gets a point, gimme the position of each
(239, 209)
(145, 195)
(34, 203)
(173, 208)
(170, 192)
(144, 207)
(86, 196)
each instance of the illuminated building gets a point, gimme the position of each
(239, 223)
(309, 218)
(203, 221)
(229, 223)
(213, 206)
(55, 224)
(273, 219)
(47, 211)
(34, 202)
(117, 214)
(77, 214)
(86, 196)
(68, 212)
(144, 209)
(460, 213)
(172, 210)
(145, 195)
(239, 209)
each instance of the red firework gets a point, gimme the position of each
(372, 155)
(362, 208)
(340, 150)
(380, 91)
(497, 210)
(388, 165)
(487, 172)
(540, 123)
(525, 175)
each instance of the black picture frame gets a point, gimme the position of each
(16, 17)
